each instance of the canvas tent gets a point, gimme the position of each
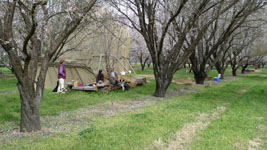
(81, 73)
(92, 46)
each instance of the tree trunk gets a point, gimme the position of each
(234, 71)
(200, 77)
(143, 66)
(189, 68)
(148, 65)
(220, 69)
(244, 68)
(161, 88)
(199, 70)
(30, 114)
(222, 73)
(163, 80)
(259, 66)
(185, 65)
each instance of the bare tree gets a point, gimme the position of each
(236, 57)
(149, 62)
(169, 30)
(4, 61)
(138, 48)
(219, 33)
(31, 32)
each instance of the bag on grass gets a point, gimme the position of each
(55, 89)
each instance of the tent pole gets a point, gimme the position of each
(55, 69)
(100, 59)
(130, 66)
(79, 75)
(120, 62)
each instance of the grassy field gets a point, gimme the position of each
(182, 73)
(230, 115)
(53, 103)
(4, 70)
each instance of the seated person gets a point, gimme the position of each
(100, 77)
(113, 77)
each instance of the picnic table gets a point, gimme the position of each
(103, 87)
(106, 86)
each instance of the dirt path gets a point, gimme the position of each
(191, 81)
(184, 137)
(8, 91)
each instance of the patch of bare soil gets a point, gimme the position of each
(257, 70)
(186, 81)
(151, 76)
(184, 137)
(241, 92)
(254, 144)
(180, 91)
(5, 76)
(8, 91)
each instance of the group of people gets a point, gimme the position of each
(99, 78)
(113, 77)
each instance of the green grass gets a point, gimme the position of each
(140, 128)
(4, 70)
(183, 72)
(6, 85)
(241, 121)
(127, 131)
(138, 70)
(53, 103)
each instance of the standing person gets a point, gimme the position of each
(61, 76)
(100, 77)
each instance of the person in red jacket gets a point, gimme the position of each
(61, 76)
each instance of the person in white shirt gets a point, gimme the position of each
(113, 77)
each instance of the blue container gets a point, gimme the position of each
(216, 79)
